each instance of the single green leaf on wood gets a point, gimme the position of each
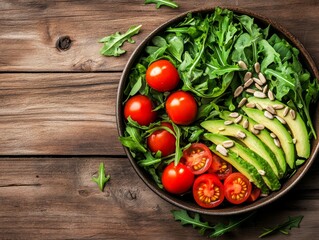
(102, 179)
(159, 3)
(113, 43)
(292, 222)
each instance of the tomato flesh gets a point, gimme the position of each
(162, 76)
(181, 107)
(177, 179)
(220, 167)
(198, 158)
(162, 140)
(208, 191)
(255, 193)
(140, 109)
(237, 188)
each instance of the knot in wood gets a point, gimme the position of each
(63, 43)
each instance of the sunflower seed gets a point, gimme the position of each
(238, 91)
(261, 172)
(245, 124)
(228, 144)
(286, 110)
(228, 122)
(271, 95)
(221, 129)
(238, 119)
(283, 121)
(257, 80)
(259, 107)
(248, 82)
(294, 140)
(292, 114)
(258, 87)
(242, 102)
(263, 195)
(234, 114)
(277, 143)
(247, 76)
(251, 105)
(278, 106)
(271, 109)
(242, 65)
(268, 115)
(255, 131)
(257, 67)
(250, 90)
(259, 127)
(241, 134)
(262, 78)
(273, 135)
(265, 89)
(259, 94)
(221, 150)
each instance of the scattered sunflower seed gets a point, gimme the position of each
(278, 106)
(251, 105)
(234, 114)
(221, 150)
(294, 140)
(262, 78)
(259, 94)
(245, 124)
(258, 87)
(283, 121)
(286, 110)
(228, 122)
(221, 129)
(228, 144)
(238, 91)
(277, 143)
(241, 134)
(242, 102)
(271, 95)
(238, 119)
(247, 76)
(255, 131)
(273, 135)
(271, 109)
(257, 67)
(261, 172)
(265, 89)
(292, 114)
(268, 115)
(242, 65)
(257, 80)
(258, 106)
(259, 127)
(248, 83)
(250, 90)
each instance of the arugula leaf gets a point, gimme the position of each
(159, 3)
(112, 44)
(293, 222)
(101, 180)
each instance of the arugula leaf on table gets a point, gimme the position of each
(112, 44)
(159, 3)
(102, 179)
(293, 222)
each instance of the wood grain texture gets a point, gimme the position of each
(54, 198)
(58, 114)
(29, 29)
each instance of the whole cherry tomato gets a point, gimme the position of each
(237, 188)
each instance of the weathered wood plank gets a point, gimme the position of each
(60, 114)
(29, 29)
(54, 198)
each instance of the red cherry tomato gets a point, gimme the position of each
(208, 191)
(140, 109)
(220, 167)
(181, 107)
(237, 188)
(255, 193)
(162, 140)
(162, 76)
(198, 158)
(177, 179)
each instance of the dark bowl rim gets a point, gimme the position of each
(289, 184)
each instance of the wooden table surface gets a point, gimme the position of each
(57, 123)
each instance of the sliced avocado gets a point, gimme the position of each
(244, 167)
(252, 158)
(277, 128)
(297, 126)
(251, 141)
(264, 136)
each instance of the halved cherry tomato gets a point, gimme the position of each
(237, 188)
(220, 167)
(162, 76)
(177, 179)
(198, 158)
(162, 140)
(208, 191)
(255, 193)
(140, 109)
(181, 107)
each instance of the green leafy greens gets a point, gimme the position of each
(159, 3)
(102, 179)
(112, 44)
